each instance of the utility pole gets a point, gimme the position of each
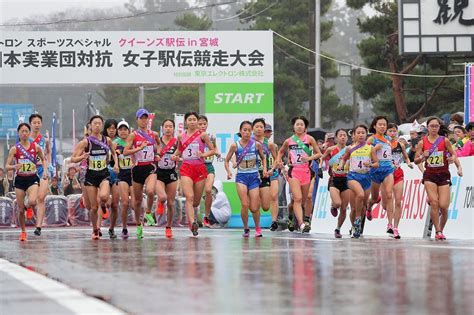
(317, 64)
(141, 97)
(311, 69)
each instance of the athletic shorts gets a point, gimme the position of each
(251, 180)
(339, 183)
(197, 172)
(113, 177)
(377, 175)
(166, 176)
(398, 176)
(362, 179)
(25, 182)
(264, 181)
(274, 176)
(125, 176)
(95, 178)
(302, 174)
(210, 168)
(141, 172)
(439, 178)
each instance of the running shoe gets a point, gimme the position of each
(337, 233)
(246, 233)
(258, 232)
(274, 226)
(100, 232)
(29, 213)
(160, 209)
(112, 234)
(390, 230)
(168, 232)
(194, 228)
(139, 231)
(396, 235)
(150, 221)
(302, 227)
(37, 231)
(124, 234)
(307, 227)
(440, 236)
(205, 222)
(368, 214)
(357, 226)
(291, 224)
(334, 211)
(95, 234)
(23, 236)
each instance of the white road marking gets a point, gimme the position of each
(72, 299)
(444, 247)
(304, 239)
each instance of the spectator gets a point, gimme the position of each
(71, 183)
(457, 119)
(10, 178)
(460, 136)
(220, 209)
(54, 187)
(468, 147)
(3, 183)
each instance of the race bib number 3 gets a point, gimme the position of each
(97, 163)
(436, 159)
(190, 153)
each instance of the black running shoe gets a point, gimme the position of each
(291, 224)
(274, 226)
(100, 232)
(112, 234)
(194, 228)
(37, 231)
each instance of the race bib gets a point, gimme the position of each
(145, 155)
(385, 153)
(27, 167)
(166, 162)
(97, 163)
(358, 164)
(297, 155)
(190, 153)
(125, 162)
(436, 159)
(397, 159)
(335, 170)
(248, 162)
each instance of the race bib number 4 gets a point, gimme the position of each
(358, 164)
(436, 159)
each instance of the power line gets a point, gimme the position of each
(235, 16)
(368, 69)
(141, 14)
(291, 56)
(260, 12)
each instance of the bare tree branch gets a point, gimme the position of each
(430, 98)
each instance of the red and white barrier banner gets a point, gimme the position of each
(415, 209)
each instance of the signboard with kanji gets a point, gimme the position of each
(436, 27)
(135, 57)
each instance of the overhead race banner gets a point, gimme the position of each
(415, 208)
(135, 57)
(469, 93)
(226, 106)
(436, 27)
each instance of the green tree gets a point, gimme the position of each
(400, 97)
(291, 75)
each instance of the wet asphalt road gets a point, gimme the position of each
(221, 273)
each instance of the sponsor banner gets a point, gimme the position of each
(415, 209)
(121, 57)
(239, 98)
(179, 123)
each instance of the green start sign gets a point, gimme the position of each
(239, 97)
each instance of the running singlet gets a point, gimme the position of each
(397, 155)
(437, 161)
(41, 141)
(359, 158)
(125, 162)
(190, 152)
(249, 161)
(296, 153)
(28, 167)
(145, 156)
(98, 155)
(267, 154)
(166, 163)
(336, 156)
(209, 159)
(384, 155)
